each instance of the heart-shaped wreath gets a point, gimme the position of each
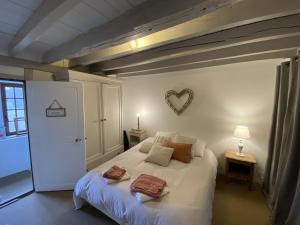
(185, 91)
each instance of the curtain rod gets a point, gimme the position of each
(296, 58)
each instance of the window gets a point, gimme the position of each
(13, 103)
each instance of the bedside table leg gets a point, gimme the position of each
(251, 178)
(226, 172)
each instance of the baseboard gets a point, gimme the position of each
(93, 162)
(64, 187)
(93, 158)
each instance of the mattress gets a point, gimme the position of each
(189, 201)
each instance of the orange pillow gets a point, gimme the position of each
(182, 152)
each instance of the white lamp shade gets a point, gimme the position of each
(241, 132)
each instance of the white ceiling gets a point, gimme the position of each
(171, 32)
(84, 16)
(13, 15)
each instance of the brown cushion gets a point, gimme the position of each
(182, 152)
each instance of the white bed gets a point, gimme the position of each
(189, 201)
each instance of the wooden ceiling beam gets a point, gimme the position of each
(216, 62)
(265, 30)
(149, 17)
(48, 13)
(236, 51)
(239, 13)
(28, 64)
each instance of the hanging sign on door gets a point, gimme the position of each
(55, 110)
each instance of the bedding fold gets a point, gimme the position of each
(148, 185)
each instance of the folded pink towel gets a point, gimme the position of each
(148, 185)
(114, 173)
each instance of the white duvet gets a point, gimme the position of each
(189, 201)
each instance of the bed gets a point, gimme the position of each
(189, 201)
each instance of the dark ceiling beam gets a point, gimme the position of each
(28, 64)
(265, 30)
(48, 13)
(246, 49)
(285, 53)
(238, 14)
(148, 17)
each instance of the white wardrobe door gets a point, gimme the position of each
(92, 121)
(111, 98)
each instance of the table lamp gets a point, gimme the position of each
(138, 120)
(241, 132)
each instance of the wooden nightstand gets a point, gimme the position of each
(240, 167)
(136, 136)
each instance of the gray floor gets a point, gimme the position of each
(233, 205)
(15, 185)
(52, 208)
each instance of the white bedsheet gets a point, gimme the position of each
(189, 201)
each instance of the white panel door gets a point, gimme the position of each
(111, 98)
(56, 143)
(92, 119)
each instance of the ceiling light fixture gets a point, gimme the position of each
(133, 44)
(136, 44)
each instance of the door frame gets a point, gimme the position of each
(28, 140)
(27, 124)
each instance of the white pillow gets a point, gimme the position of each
(162, 136)
(160, 155)
(146, 146)
(198, 145)
(166, 133)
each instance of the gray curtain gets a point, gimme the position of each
(282, 175)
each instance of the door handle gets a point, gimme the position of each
(103, 120)
(78, 140)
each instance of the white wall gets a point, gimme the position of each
(14, 155)
(224, 96)
(30, 74)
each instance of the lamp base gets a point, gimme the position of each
(240, 154)
(240, 147)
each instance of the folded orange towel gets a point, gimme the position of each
(114, 173)
(148, 185)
